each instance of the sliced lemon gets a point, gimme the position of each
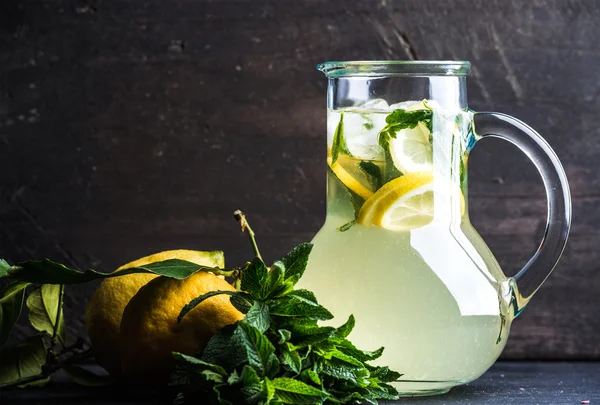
(411, 149)
(402, 204)
(347, 171)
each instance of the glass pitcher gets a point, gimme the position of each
(397, 249)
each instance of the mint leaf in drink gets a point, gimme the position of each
(357, 201)
(279, 354)
(372, 172)
(390, 171)
(346, 226)
(401, 119)
(339, 141)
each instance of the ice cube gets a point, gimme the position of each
(375, 104)
(361, 130)
(362, 134)
(403, 105)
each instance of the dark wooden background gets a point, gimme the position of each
(128, 127)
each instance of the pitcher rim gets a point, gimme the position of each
(334, 69)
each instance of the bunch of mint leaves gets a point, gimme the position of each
(278, 354)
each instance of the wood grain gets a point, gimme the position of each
(131, 127)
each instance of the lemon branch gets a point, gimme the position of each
(48, 370)
(225, 273)
(241, 218)
(59, 311)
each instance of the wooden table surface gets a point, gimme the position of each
(506, 383)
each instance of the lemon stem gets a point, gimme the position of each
(58, 314)
(241, 218)
(225, 273)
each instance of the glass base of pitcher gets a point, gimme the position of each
(424, 388)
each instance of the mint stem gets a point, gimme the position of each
(241, 217)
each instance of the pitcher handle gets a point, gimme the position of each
(539, 267)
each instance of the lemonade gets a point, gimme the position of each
(397, 249)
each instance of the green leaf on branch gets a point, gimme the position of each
(299, 303)
(45, 309)
(254, 277)
(241, 302)
(290, 391)
(223, 350)
(292, 360)
(197, 364)
(49, 272)
(198, 300)
(4, 266)
(309, 333)
(347, 347)
(23, 361)
(294, 263)
(11, 305)
(11, 289)
(343, 331)
(258, 316)
(259, 350)
(275, 285)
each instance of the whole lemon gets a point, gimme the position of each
(149, 328)
(105, 309)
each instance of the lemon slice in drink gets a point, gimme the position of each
(402, 204)
(347, 171)
(411, 149)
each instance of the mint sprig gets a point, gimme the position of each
(279, 354)
(338, 144)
